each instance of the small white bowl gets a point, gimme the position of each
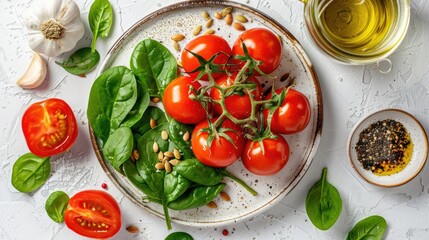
(418, 158)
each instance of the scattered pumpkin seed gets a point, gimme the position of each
(209, 23)
(228, 19)
(238, 26)
(205, 15)
(132, 229)
(152, 123)
(218, 15)
(186, 136)
(178, 37)
(226, 11)
(212, 204)
(136, 154)
(209, 31)
(241, 18)
(177, 154)
(164, 135)
(169, 154)
(167, 166)
(156, 99)
(159, 166)
(197, 30)
(155, 147)
(176, 46)
(174, 162)
(165, 159)
(160, 155)
(225, 196)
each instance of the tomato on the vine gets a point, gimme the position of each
(206, 46)
(237, 104)
(293, 115)
(221, 152)
(49, 127)
(262, 45)
(268, 160)
(93, 214)
(178, 104)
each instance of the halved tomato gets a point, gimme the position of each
(49, 127)
(94, 214)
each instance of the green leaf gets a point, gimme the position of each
(142, 126)
(370, 228)
(176, 131)
(130, 170)
(174, 185)
(111, 98)
(197, 172)
(196, 197)
(81, 62)
(179, 236)
(56, 205)
(323, 203)
(154, 65)
(118, 147)
(136, 113)
(100, 20)
(30, 172)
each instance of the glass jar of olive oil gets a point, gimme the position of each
(357, 31)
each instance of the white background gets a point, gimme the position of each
(349, 93)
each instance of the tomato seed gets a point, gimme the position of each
(104, 185)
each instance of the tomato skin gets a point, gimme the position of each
(268, 162)
(262, 45)
(221, 152)
(205, 46)
(178, 104)
(293, 115)
(80, 208)
(238, 106)
(49, 127)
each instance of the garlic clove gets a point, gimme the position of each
(35, 73)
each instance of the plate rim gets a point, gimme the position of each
(358, 124)
(304, 60)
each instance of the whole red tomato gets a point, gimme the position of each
(177, 103)
(93, 214)
(238, 104)
(268, 160)
(262, 45)
(221, 152)
(293, 115)
(206, 46)
(49, 127)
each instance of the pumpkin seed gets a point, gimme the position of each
(197, 30)
(167, 166)
(136, 154)
(205, 15)
(228, 19)
(177, 154)
(186, 136)
(160, 155)
(169, 154)
(159, 166)
(165, 159)
(164, 135)
(241, 18)
(238, 26)
(209, 32)
(225, 196)
(155, 147)
(132, 229)
(212, 204)
(156, 99)
(178, 37)
(218, 15)
(176, 46)
(174, 162)
(209, 23)
(152, 123)
(226, 11)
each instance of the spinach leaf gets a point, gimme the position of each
(323, 203)
(197, 172)
(176, 132)
(179, 236)
(112, 97)
(142, 103)
(154, 65)
(56, 205)
(372, 227)
(30, 172)
(118, 147)
(81, 62)
(142, 126)
(196, 197)
(130, 170)
(100, 20)
(174, 185)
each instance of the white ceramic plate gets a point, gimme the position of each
(419, 155)
(182, 18)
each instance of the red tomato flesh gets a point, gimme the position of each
(49, 127)
(93, 214)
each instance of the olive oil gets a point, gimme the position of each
(358, 27)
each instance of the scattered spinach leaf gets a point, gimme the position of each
(30, 172)
(56, 205)
(197, 172)
(81, 62)
(142, 126)
(174, 185)
(154, 65)
(100, 20)
(323, 203)
(142, 103)
(113, 95)
(118, 147)
(179, 236)
(196, 197)
(372, 227)
(130, 170)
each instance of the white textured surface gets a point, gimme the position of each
(349, 93)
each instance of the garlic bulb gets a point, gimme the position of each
(54, 26)
(35, 73)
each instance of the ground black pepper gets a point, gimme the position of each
(383, 145)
